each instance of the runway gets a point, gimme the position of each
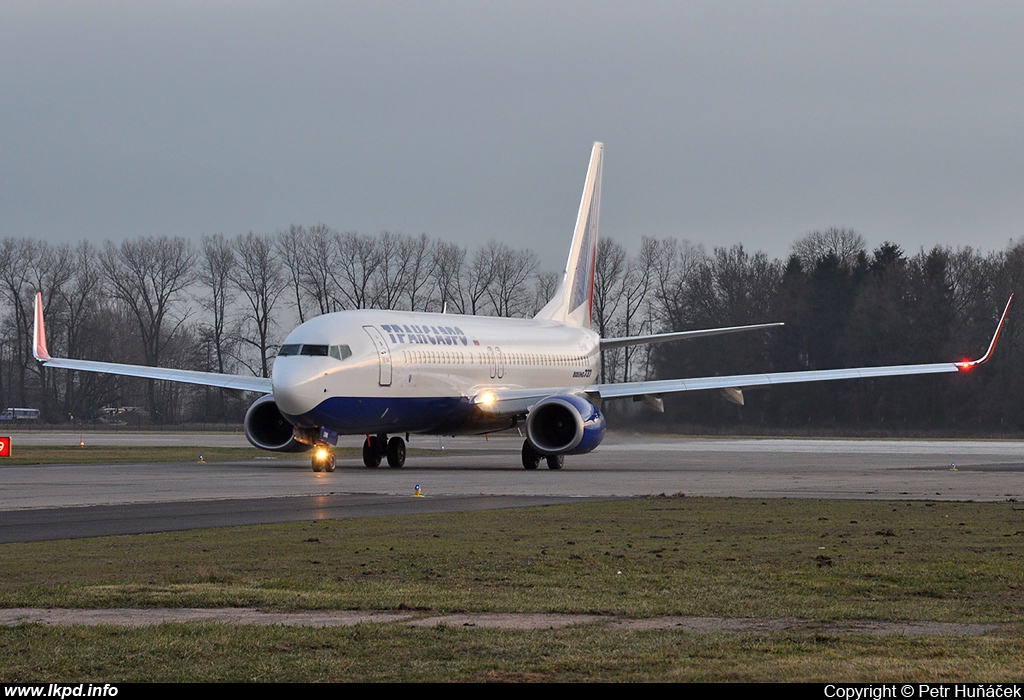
(51, 501)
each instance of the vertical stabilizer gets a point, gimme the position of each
(573, 300)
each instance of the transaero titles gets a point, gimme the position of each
(434, 335)
(923, 690)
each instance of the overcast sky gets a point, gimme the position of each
(723, 122)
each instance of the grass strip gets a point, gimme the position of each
(809, 559)
(197, 652)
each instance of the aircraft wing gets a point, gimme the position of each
(743, 381)
(519, 401)
(258, 385)
(610, 343)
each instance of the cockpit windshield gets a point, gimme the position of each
(338, 352)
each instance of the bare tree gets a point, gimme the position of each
(673, 265)
(215, 268)
(449, 260)
(359, 258)
(291, 249)
(80, 298)
(479, 277)
(418, 271)
(509, 291)
(391, 277)
(17, 258)
(608, 278)
(846, 244)
(547, 283)
(637, 284)
(732, 287)
(149, 277)
(260, 278)
(320, 259)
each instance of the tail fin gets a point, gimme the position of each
(573, 300)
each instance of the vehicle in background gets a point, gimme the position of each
(12, 414)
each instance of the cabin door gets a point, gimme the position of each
(383, 354)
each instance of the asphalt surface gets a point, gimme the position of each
(57, 501)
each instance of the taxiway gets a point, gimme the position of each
(50, 501)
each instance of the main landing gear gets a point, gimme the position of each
(377, 447)
(323, 460)
(532, 458)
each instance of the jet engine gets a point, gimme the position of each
(564, 425)
(267, 429)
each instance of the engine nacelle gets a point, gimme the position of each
(267, 429)
(564, 425)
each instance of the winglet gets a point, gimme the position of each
(967, 366)
(39, 333)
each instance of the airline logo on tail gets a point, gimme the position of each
(583, 276)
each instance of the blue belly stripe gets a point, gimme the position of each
(351, 415)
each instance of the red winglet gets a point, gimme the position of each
(40, 350)
(967, 366)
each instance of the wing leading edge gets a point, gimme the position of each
(518, 401)
(258, 385)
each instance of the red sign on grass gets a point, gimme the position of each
(5, 447)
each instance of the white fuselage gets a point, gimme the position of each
(419, 372)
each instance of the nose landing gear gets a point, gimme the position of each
(323, 460)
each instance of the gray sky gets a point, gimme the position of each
(724, 122)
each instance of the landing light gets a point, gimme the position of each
(487, 398)
(322, 453)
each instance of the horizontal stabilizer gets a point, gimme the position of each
(610, 343)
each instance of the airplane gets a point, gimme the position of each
(385, 373)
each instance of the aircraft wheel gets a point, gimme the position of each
(323, 460)
(531, 460)
(396, 453)
(556, 461)
(371, 456)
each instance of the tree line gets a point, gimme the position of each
(223, 304)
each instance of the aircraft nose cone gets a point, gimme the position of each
(295, 386)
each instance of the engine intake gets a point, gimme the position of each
(267, 429)
(564, 425)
